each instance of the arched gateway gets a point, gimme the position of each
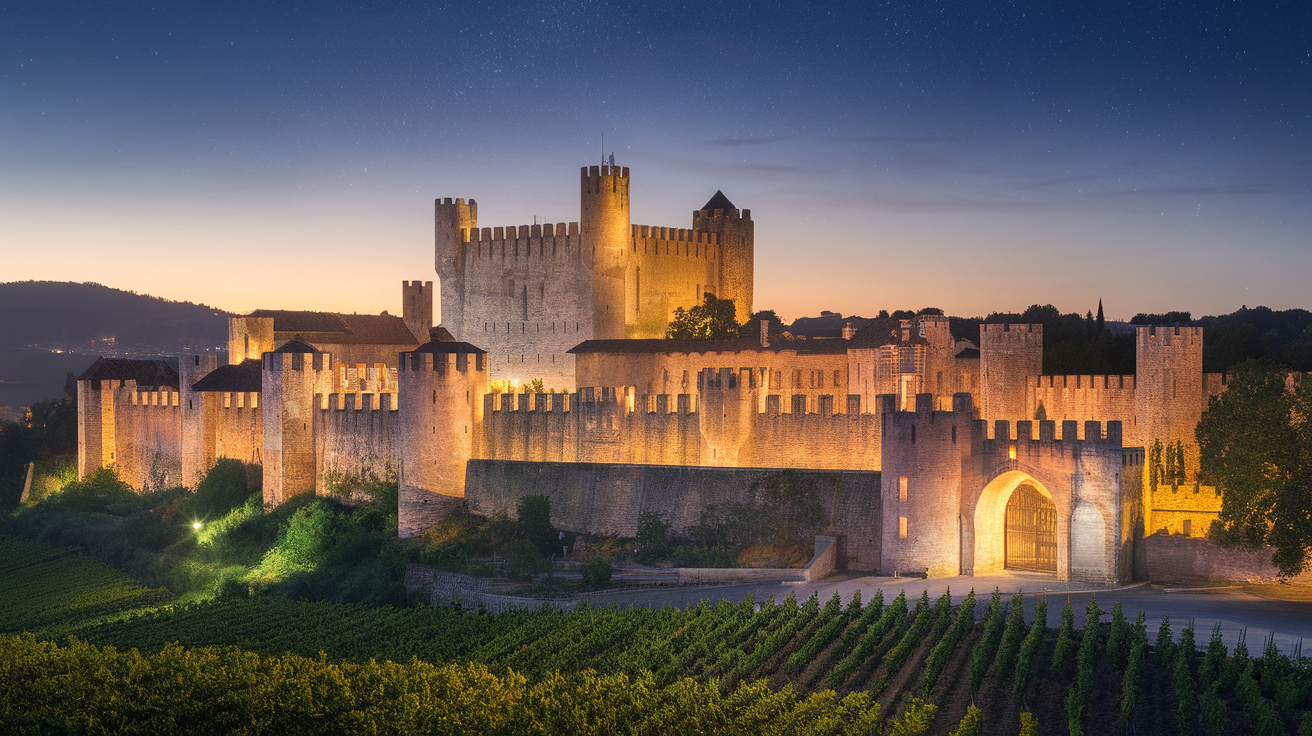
(959, 501)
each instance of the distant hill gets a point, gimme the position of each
(52, 328)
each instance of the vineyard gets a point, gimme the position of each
(924, 664)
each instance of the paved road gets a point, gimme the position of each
(1239, 613)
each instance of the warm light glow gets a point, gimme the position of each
(1011, 452)
(195, 525)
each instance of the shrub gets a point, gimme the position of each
(1213, 711)
(597, 573)
(915, 720)
(653, 538)
(1029, 650)
(1118, 637)
(1164, 648)
(938, 657)
(1186, 693)
(972, 724)
(1062, 658)
(1029, 725)
(224, 488)
(1130, 681)
(535, 522)
(1011, 637)
(987, 646)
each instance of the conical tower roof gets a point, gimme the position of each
(719, 202)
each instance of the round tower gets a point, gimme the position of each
(288, 383)
(606, 231)
(441, 387)
(451, 224)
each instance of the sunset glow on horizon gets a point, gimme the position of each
(971, 157)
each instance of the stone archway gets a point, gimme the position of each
(990, 528)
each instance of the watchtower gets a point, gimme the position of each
(1168, 398)
(451, 222)
(288, 384)
(605, 227)
(417, 307)
(442, 383)
(736, 231)
(1008, 354)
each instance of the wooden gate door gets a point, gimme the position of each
(1031, 531)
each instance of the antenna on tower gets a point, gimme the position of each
(603, 149)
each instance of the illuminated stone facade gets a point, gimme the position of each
(314, 398)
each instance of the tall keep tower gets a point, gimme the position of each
(605, 227)
(1168, 397)
(450, 219)
(736, 232)
(1008, 356)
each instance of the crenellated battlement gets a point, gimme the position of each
(386, 402)
(674, 234)
(1169, 335)
(599, 173)
(281, 362)
(441, 363)
(520, 232)
(1083, 382)
(152, 398)
(1016, 333)
(996, 436)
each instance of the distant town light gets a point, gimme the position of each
(195, 525)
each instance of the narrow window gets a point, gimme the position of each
(1188, 527)
(902, 489)
(901, 527)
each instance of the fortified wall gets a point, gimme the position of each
(720, 425)
(608, 498)
(947, 483)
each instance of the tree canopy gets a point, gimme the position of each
(1255, 442)
(713, 319)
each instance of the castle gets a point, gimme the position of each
(940, 460)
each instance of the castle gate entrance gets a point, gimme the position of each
(1030, 537)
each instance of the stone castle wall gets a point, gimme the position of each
(1171, 558)
(1170, 507)
(947, 480)
(1008, 356)
(603, 426)
(527, 299)
(148, 437)
(607, 498)
(529, 293)
(667, 268)
(355, 436)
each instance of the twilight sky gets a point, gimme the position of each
(976, 156)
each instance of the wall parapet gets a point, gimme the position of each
(356, 402)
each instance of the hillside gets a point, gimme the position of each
(52, 328)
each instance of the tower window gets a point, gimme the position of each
(902, 489)
(901, 527)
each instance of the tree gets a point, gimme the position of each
(535, 521)
(776, 324)
(713, 319)
(1255, 443)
